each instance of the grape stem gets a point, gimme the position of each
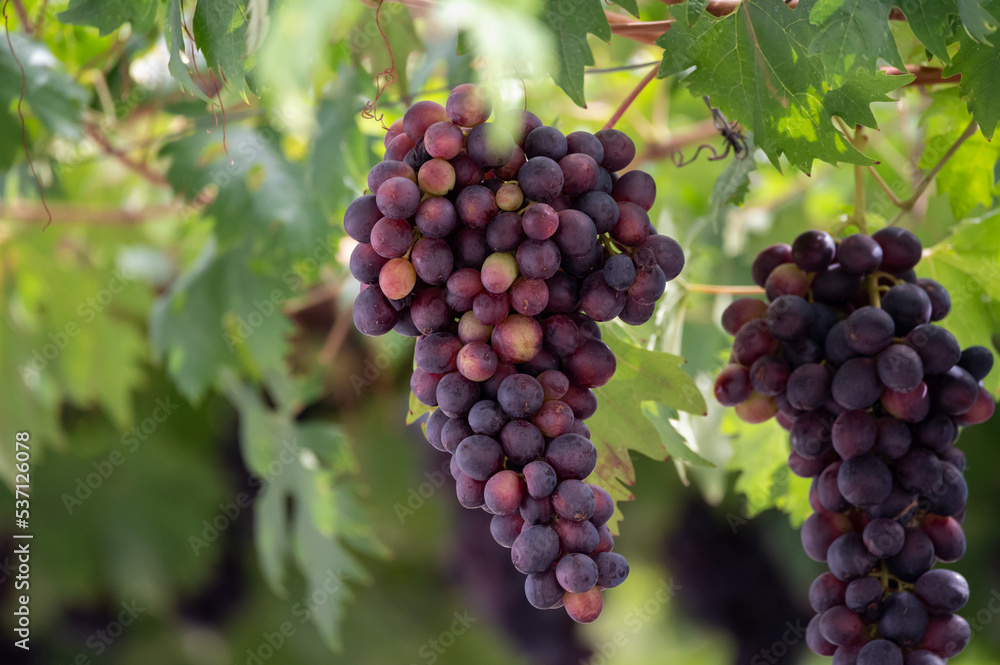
(720, 288)
(873, 295)
(859, 183)
(620, 111)
(928, 178)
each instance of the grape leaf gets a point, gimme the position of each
(852, 101)
(979, 65)
(174, 33)
(308, 464)
(930, 22)
(967, 178)
(979, 23)
(631, 6)
(733, 183)
(967, 264)
(853, 35)
(337, 144)
(54, 97)
(109, 15)
(620, 423)
(570, 21)
(220, 30)
(259, 192)
(757, 66)
(220, 313)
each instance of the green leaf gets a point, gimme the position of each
(53, 96)
(308, 465)
(109, 15)
(220, 313)
(979, 65)
(967, 178)
(978, 22)
(260, 193)
(760, 458)
(852, 101)
(930, 22)
(631, 6)
(853, 35)
(758, 67)
(220, 30)
(733, 183)
(258, 22)
(620, 425)
(967, 264)
(337, 143)
(570, 21)
(176, 43)
(416, 410)
(677, 447)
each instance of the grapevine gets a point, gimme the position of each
(849, 356)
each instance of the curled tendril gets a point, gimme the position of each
(730, 133)
(383, 79)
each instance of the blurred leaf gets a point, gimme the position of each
(967, 264)
(733, 183)
(336, 142)
(930, 22)
(757, 67)
(968, 178)
(620, 424)
(258, 21)
(109, 15)
(307, 464)
(977, 21)
(570, 21)
(220, 30)
(631, 6)
(260, 193)
(54, 97)
(176, 42)
(187, 324)
(979, 65)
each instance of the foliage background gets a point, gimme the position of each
(179, 337)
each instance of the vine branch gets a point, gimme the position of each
(928, 178)
(95, 133)
(620, 111)
(70, 214)
(859, 183)
(22, 16)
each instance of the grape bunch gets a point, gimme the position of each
(846, 355)
(499, 246)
